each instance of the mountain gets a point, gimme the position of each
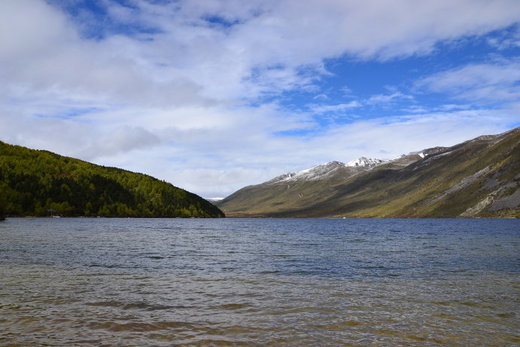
(365, 162)
(41, 183)
(477, 178)
(329, 170)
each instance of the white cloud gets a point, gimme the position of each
(335, 108)
(478, 82)
(188, 60)
(387, 98)
(30, 27)
(506, 40)
(379, 99)
(121, 140)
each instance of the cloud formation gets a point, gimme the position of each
(195, 92)
(484, 82)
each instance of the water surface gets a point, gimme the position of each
(259, 281)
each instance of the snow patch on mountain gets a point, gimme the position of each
(365, 162)
(313, 174)
(322, 171)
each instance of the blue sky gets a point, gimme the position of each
(214, 95)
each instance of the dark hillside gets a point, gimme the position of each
(41, 183)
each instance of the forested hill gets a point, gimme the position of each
(41, 183)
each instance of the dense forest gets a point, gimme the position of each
(41, 183)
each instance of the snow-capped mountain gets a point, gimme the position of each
(326, 170)
(313, 174)
(365, 162)
(476, 178)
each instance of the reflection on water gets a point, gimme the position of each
(261, 281)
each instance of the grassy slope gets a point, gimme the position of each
(32, 182)
(265, 199)
(425, 188)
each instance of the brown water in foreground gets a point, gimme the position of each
(259, 282)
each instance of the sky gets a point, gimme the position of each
(214, 95)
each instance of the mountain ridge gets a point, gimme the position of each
(481, 175)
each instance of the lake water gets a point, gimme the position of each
(136, 282)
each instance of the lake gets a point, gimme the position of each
(135, 282)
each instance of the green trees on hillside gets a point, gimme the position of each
(41, 183)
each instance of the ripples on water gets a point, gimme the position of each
(138, 282)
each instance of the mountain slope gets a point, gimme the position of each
(477, 178)
(40, 183)
(292, 191)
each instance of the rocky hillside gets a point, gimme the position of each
(477, 178)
